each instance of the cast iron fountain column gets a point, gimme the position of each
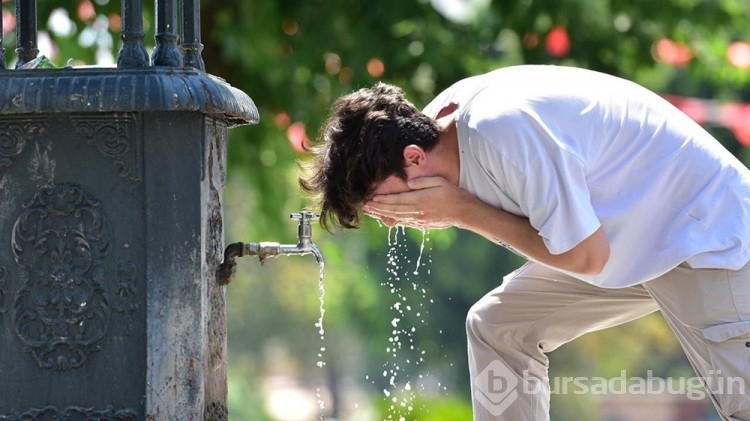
(111, 228)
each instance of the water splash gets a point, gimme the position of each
(404, 353)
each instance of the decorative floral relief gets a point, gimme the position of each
(60, 242)
(125, 295)
(13, 137)
(113, 137)
(3, 286)
(71, 413)
(216, 411)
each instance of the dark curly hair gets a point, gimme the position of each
(360, 145)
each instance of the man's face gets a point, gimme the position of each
(395, 184)
(390, 185)
(416, 164)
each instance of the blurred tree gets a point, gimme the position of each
(294, 57)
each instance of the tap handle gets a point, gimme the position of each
(304, 229)
(304, 217)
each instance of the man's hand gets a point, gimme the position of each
(433, 203)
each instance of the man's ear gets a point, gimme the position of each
(414, 155)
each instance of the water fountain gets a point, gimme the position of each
(111, 226)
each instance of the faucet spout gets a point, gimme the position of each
(301, 249)
(318, 254)
(265, 250)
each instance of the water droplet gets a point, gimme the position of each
(421, 250)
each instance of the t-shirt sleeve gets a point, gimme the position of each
(556, 199)
(546, 180)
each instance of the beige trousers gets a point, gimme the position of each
(537, 309)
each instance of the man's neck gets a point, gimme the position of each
(446, 157)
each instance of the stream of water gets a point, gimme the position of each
(405, 355)
(321, 331)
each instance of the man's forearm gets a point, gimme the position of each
(517, 233)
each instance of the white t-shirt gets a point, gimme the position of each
(573, 150)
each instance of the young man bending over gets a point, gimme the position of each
(621, 203)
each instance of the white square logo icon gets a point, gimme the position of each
(495, 387)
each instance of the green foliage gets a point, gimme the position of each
(434, 408)
(294, 58)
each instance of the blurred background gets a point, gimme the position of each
(392, 343)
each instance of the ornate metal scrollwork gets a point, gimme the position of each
(71, 413)
(14, 135)
(216, 411)
(3, 286)
(125, 301)
(60, 242)
(113, 137)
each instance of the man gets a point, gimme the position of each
(620, 202)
